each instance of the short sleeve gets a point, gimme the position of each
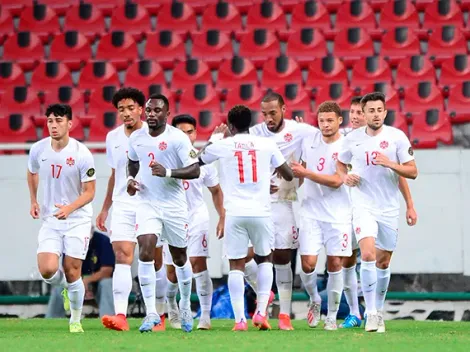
(345, 154)
(405, 152)
(33, 159)
(131, 153)
(185, 151)
(211, 178)
(109, 152)
(86, 165)
(212, 153)
(277, 159)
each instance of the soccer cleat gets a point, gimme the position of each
(75, 327)
(161, 326)
(115, 322)
(240, 326)
(204, 323)
(186, 320)
(261, 322)
(380, 323)
(330, 324)
(284, 322)
(150, 321)
(372, 322)
(174, 317)
(314, 314)
(65, 296)
(351, 321)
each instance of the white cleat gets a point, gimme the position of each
(372, 323)
(204, 323)
(314, 314)
(330, 324)
(174, 317)
(380, 323)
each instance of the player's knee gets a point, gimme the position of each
(383, 263)
(349, 262)
(282, 256)
(171, 274)
(263, 259)
(123, 257)
(198, 264)
(334, 264)
(308, 265)
(146, 254)
(47, 272)
(179, 256)
(72, 273)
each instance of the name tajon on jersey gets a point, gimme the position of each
(244, 145)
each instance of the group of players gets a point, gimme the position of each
(351, 192)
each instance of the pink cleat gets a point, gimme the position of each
(261, 322)
(240, 326)
(284, 322)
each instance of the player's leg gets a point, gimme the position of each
(251, 268)
(172, 289)
(161, 285)
(50, 249)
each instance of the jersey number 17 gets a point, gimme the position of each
(241, 171)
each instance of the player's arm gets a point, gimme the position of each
(406, 170)
(33, 183)
(411, 216)
(219, 133)
(333, 181)
(87, 196)
(105, 272)
(108, 202)
(185, 173)
(285, 171)
(218, 200)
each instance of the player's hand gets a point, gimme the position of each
(298, 169)
(299, 119)
(34, 211)
(63, 212)
(101, 220)
(382, 160)
(132, 187)
(411, 216)
(273, 189)
(220, 228)
(157, 169)
(352, 180)
(223, 128)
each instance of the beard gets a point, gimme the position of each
(375, 127)
(278, 127)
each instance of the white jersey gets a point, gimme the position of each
(289, 141)
(246, 161)
(62, 174)
(378, 189)
(173, 150)
(321, 202)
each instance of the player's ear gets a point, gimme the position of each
(69, 123)
(340, 119)
(283, 109)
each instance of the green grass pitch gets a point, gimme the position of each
(52, 335)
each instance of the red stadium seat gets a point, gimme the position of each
(306, 44)
(212, 47)
(11, 75)
(200, 5)
(430, 127)
(165, 47)
(72, 48)
(17, 128)
(98, 74)
(340, 93)
(396, 119)
(453, 71)
(333, 5)
(20, 100)
(445, 42)
(132, 19)
(392, 99)
(399, 44)
(49, 75)
(201, 97)
(223, 17)
(377, 5)
(412, 70)
(464, 5)
(267, 15)
(15, 7)
(423, 95)
(370, 70)
(297, 101)
(187, 74)
(207, 121)
(310, 14)
(103, 122)
(247, 94)
(288, 5)
(66, 95)
(107, 6)
(178, 17)
(152, 6)
(278, 72)
(398, 13)
(353, 43)
(235, 72)
(41, 20)
(259, 46)
(422, 4)
(86, 19)
(325, 70)
(356, 13)
(459, 101)
(6, 24)
(59, 6)
(118, 48)
(143, 74)
(101, 100)
(244, 6)
(444, 12)
(25, 48)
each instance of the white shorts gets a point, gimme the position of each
(285, 228)
(314, 235)
(172, 227)
(354, 244)
(239, 230)
(383, 229)
(72, 240)
(123, 223)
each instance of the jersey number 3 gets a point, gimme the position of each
(254, 170)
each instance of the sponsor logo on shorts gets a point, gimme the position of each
(358, 230)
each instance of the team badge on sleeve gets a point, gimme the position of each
(410, 151)
(90, 172)
(192, 154)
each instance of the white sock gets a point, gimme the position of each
(350, 290)
(369, 285)
(310, 284)
(76, 295)
(383, 280)
(161, 284)
(184, 275)
(58, 279)
(284, 287)
(236, 288)
(171, 291)
(204, 291)
(265, 282)
(146, 272)
(122, 286)
(251, 274)
(334, 289)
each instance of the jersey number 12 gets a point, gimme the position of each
(241, 172)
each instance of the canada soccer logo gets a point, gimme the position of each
(288, 137)
(70, 161)
(384, 144)
(162, 146)
(335, 156)
(358, 230)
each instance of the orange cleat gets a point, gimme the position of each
(240, 326)
(261, 322)
(115, 322)
(161, 326)
(284, 322)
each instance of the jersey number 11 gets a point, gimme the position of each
(241, 172)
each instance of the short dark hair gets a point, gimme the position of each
(372, 97)
(356, 100)
(184, 118)
(273, 96)
(240, 117)
(59, 110)
(161, 97)
(129, 93)
(329, 106)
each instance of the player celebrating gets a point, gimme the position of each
(246, 162)
(162, 211)
(378, 155)
(67, 169)
(288, 136)
(325, 213)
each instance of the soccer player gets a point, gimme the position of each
(246, 161)
(325, 213)
(378, 155)
(198, 250)
(288, 135)
(162, 211)
(67, 169)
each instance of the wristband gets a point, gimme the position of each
(168, 173)
(216, 137)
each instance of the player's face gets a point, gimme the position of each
(129, 112)
(356, 116)
(329, 123)
(273, 115)
(189, 130)
(374, 112)
(156, 113)
(58, 126)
